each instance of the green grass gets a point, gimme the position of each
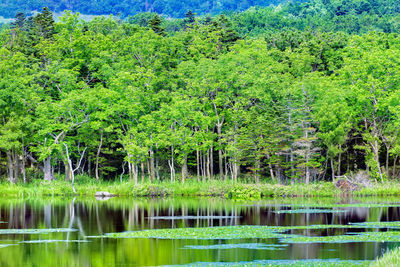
(389, 259)
(86, 186)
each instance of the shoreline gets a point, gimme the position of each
(192, 188)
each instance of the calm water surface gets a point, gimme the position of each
(91, 217)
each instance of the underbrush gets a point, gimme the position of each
(86, 186)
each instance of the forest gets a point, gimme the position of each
(279, 94)
(124, 8)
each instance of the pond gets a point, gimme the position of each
(90, 232)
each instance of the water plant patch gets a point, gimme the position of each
(291, 263)
(260, 246)
(35, 231)
(392, 236)
(309, 211)
(193, 217)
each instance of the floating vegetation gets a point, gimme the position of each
(35, 231)
(42, 241)
(393, 236)
(395, 224)
(223, 232)
(309, 211)
(346, 205)
(241, 245)
(292, 263)
(192, 217)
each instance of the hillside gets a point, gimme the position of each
(172, 8)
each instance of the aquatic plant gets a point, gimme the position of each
(291, 263)
(393, 236)
(193, 217)
(42, 241)
(35, 231)
(224, 232)
(309, 211)
(240, 245)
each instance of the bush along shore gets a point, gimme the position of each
(85, 186)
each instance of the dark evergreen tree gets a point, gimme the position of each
(19, 21)
(189, 18)
(44, 24)
(155, 25)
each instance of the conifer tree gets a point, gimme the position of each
(155, 25)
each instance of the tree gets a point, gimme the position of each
(155, 25)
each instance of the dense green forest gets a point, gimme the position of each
(125, 8)
(251, 94)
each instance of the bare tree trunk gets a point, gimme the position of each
(333, 170)
(198, 165)
(67, 171)
(142, 169)
(130, 171)
(23, 164)
(208, 165)
(171, 165)
(158, 167)
(17, 166)
(47, 169)
(387, 162)
(152, 171)
(135, 173)
(271, 169)
(98, 155)
(226, 169)
(89, 166)
(211, 162)
(10, 168)
(184, 169)
(78, 165)
(257, 168)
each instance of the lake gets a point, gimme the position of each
(73, 232)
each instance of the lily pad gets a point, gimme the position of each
(291, 263)
(224, 232)
(42, 241)
(394, 224)
(192, 217)
(393, 236)
(260, 246)
(35, 231)
(309, 211)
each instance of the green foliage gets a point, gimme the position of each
(235, 97)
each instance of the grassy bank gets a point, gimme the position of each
(390, 259)
(85, 186)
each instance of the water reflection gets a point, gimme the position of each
(91, 217)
